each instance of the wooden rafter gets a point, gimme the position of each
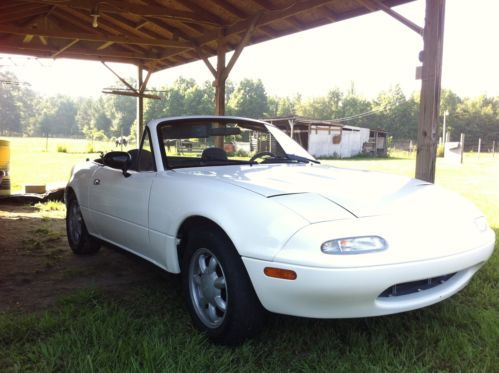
(246, 38)
(82, 22)
(123, 7)
(16, 14)
(230, 8)
(166, 32)
(271, 16)
(66, 47)
(97, 37)
(374, 5)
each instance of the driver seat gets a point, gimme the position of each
(214, 154)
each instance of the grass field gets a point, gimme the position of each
(148, 329)
(35, 160)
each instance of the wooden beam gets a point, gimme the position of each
(430, 90)
(374, 5)
(140, 107)
(266, 18)
(143, 86)
(230, 8)
(131, 94)
(66, 47)
(121, 79)
(220, 81)
(122, 7)
(196, 9)
(22, 12)
(109, 43)
(269, 17)
(98, 37)
(28, 38)
(206, 62)
(246, 38)
(81, 20)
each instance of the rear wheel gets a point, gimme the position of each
(219, 293)
(80, 241)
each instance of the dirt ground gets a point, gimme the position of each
(37, 267)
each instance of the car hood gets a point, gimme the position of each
(362, 193)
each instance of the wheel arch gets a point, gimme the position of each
(192, 223)
(69, 191)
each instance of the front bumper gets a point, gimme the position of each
(355, 292)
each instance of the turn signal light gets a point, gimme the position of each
(284, 274)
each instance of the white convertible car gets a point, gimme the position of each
(276, 231)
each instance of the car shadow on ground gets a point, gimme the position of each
(37, 267)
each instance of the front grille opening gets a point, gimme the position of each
(415, 286)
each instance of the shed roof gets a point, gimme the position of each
(303, 121)
(159, 34)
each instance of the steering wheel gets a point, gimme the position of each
(262, 154)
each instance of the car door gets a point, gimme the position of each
(119, 204)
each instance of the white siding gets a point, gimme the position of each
(321, 143)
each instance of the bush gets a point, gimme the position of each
(91, 149)
(242, 153)
(62, 149)
(440, 150)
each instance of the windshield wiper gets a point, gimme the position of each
(298, 158)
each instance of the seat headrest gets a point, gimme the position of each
(214, 154)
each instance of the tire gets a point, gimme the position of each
(80, 241)
(218, 291)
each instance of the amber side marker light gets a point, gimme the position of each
(284, 274)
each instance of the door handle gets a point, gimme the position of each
(96, 181)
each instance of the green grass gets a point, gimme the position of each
(148, 328)
(33, 160)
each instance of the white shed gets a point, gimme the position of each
(324, 138)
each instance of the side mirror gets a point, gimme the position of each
(118, 160)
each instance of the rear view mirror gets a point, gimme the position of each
(118, 160)
(224, 131)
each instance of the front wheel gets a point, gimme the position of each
(219, 293)
(80, 241)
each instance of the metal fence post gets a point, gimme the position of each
(493, 149)
(461, 145)
(479, 146)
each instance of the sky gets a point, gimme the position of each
(372, 53)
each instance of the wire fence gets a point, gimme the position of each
(454, 146)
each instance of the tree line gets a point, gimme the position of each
(27, 113)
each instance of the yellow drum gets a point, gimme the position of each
(4, 168)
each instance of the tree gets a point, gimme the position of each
(10, 117)
(57, 117)
(249, 99)
(395, 114)
(121, 111)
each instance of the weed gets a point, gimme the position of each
(51, 206)
(62, 149)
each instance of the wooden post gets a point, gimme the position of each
(220, 81)
(461, 146)
(410, 147)
(430, 90)
(220, 87)
(493, 149)
(140, 108)
(479, 147)
(446, 112)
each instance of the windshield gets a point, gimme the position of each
(215, 141)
